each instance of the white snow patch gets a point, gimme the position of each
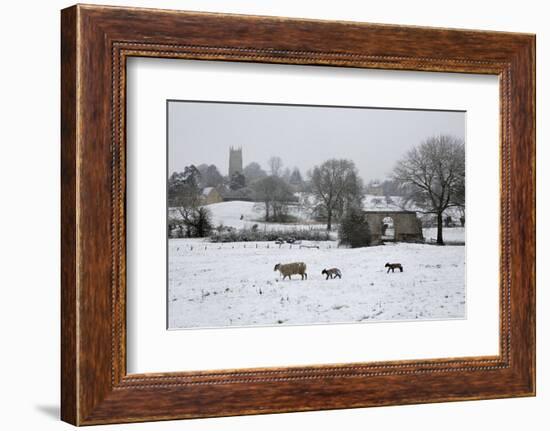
(450, 234)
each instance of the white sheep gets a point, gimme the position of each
(289, 269)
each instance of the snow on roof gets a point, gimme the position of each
(206, 191)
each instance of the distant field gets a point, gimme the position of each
(241, 214)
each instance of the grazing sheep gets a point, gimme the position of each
(393, 267)
(289, 269)
(332, 272)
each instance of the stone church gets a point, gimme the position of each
(235, 161)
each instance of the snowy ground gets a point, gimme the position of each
(242, 214)
(450, 234)
(233, 284)
(382, 203)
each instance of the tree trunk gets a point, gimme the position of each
(266, 211)
(329, 219)
(440, 229)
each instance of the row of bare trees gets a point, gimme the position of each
(335, 185)
(210, 176)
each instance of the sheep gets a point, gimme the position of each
(332, 272)
(393, 267)
(288, 269)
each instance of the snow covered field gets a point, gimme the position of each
(233, 284)
(450, 234)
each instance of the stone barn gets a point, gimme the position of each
(402, 226)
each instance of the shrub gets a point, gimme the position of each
(354, 229)
(192, 223)
(281, 217)
(255, 234)
(201, 222)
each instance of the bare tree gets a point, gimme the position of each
(275, 166)
(296, 178)
(336, 184)
(275, 193)
(433, 177)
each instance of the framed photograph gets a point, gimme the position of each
(263, 214)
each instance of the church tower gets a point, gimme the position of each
(235, 160)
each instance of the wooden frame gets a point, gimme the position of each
(95, 42)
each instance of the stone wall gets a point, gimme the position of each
(407, 226)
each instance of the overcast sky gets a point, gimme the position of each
(302, 136)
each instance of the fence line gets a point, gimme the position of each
(227, 246)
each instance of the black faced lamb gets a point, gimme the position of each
(393, 267)
(331, 273)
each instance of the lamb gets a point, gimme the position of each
(393, 267)
(332, 272)
(289, 269)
